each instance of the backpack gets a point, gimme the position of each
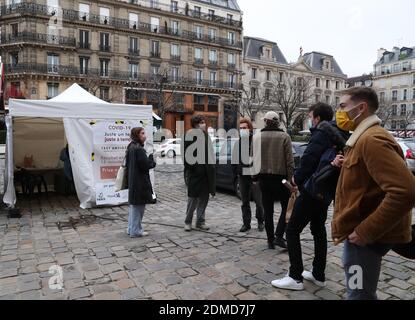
(323, 183)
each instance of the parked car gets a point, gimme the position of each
(170, 148)
(408, 149)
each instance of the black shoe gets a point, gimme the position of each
(245, 228)
(261, 227)
(271, 245)
(280, 242)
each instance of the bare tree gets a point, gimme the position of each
(291, 96)
(386, 112)
(407, 120)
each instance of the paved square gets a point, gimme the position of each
(99, 261)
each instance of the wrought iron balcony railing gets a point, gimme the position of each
(26, 36)
(32, 9)
(59, 70)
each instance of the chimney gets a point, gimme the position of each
(381, 51)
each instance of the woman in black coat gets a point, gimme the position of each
(140, 190)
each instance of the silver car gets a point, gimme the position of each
(408, 149)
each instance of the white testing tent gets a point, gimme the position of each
(42, 128)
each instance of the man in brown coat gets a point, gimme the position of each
(375, 194)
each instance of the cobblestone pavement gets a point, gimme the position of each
(100, 261)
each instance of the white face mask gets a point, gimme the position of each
(244, 132)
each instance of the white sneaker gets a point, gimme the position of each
(308, 275)
(145, 234)
(188, 228)
(288, 283)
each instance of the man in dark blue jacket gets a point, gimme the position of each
(307, 209)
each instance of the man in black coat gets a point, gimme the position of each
(199, 162)
(307, 209)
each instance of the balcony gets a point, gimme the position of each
(104, 48)
(133, 52)
(84, 45)
(155, 55)
(33, 9)
(175, 58)
(231, 66)
(39, 38)
(213, 64)
(60, 70)
(199, 61)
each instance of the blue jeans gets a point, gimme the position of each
(369, 260)
(135, 218)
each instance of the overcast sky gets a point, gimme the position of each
(350, 30)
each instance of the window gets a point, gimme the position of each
(396, 67)
(231, 59)
(199, 103)
(174, 6)
(212, 78)
(253, 93)
(403, 109)
(230, 17)
(133, 17)
(213, 103)
(268, 75)
(231, 38)
(198, 55)
(213, 57)
(405, 95)
(175, 27)
(413, 94)
(53, 63)
(133, 45)
(268, 53)
(84, 12)
(254, 71)
(281, 76)
(154, 4)
(211, 13)
(382, 97)
(231, 80)
(104, 42)
(337, 101)
(394, 95)
(405, 66)
(393, 124)
(155, 49)
(14, 58)
(104, 93)
(317, 98)
(199, 32)
(267, 94)
(394, 110)
(212, 34)
(15, 29)
(133, 70)
(175, 52)
(155, 24)
(403, 125)
(104, 67)
(104, 14)
(84, 39)
(155, 70)
(327, 84)
(53, 90)
(196, 11)
(175, 74)
(328, 99)
(199, 77)
(83, 65)
(413, 108)
(337, 85)
(318, 83)
(413, 80)
(327, 65)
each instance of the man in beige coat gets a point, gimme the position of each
(375, 194)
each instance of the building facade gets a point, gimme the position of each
(394, 81)
(185, 55)
(365, 80)
(265, 66)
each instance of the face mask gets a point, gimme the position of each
(344, 122)
(244, 133)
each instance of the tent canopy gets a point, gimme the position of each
(76, 102)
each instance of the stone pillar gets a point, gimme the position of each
(221, 111)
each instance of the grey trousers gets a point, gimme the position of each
(362, 266)
(199, 204)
